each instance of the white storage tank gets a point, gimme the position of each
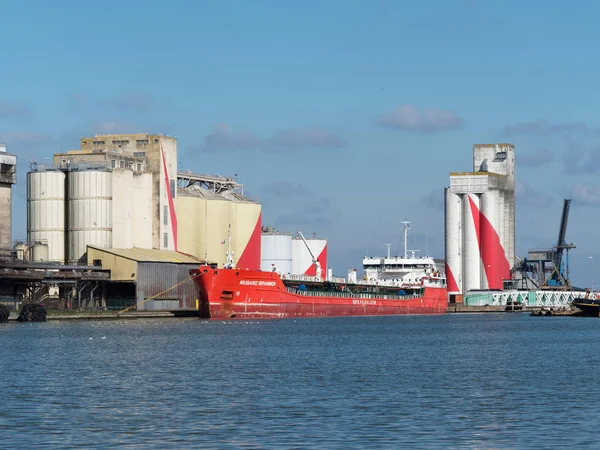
(276, 252)
(89, 211)
(302, 263)
(470, 250)
(453, 241)
(46, 211)
(39, 252)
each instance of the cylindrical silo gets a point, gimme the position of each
(302, 262)
(453, 240)
(246, 227)
(471, 256)
(46, 211)
(276, 252)
(491, 277)
(500, 220)
(89, 211)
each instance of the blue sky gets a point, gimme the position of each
(342, 117)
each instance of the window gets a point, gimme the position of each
(139, 154)
(139, 167)
(166, 242)
(166, 215)
(98, 142)
(98, 262)
(142, 141)
(172, 188)
(113, 163)
(122, 164)
(156, 141)
(120, 142)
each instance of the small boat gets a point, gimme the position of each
(589, 306)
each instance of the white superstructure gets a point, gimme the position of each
(402, 271)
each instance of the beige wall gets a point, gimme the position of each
(142, 210)
(132, 209)
(203, 227)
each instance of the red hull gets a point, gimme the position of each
(232, 293)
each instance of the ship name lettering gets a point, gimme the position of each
(364, 302)
(257, 283)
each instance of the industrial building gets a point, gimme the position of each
(152, 279)
(289, 254)
(480, 221)
(153, 155)
(8, 177)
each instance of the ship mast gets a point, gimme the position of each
(229, 263)
(406, 224)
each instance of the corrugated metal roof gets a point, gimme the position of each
(151, 255)
(199, 191)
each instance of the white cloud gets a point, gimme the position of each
(409, 118)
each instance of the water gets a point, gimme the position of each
(456, 381)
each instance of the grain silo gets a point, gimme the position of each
(89, 211)
(46, 211)
(204, 220)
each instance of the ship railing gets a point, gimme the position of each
(288, 276)
(341, 294)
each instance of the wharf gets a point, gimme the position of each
(459, 308)
(109, 315)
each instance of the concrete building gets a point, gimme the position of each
(480, 221)
(152, 279)
(8, 177)
(155, 154)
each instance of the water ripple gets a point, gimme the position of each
(485, 381)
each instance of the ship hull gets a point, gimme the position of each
(230, 294)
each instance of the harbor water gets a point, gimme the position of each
(451, 381)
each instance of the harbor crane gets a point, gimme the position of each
(315, 261)
(548, 268)
(559, 277)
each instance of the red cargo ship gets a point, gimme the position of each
(232, 293)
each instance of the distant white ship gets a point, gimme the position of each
(403, 271)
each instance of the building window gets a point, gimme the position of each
(166, 240)
(139, 154)
(139, 167)
(142, 141)
(98, 142)
(172, 188)
(98, 262)
(166, 215)
(113, 163)
(156, 141)
(122, 164)
(120, 142)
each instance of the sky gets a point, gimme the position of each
(342, 117)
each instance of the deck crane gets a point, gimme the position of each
(315, 261)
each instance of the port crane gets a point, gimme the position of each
(315, 261)
(559, 276)
(548, 268)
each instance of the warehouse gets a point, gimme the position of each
(138, 275)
